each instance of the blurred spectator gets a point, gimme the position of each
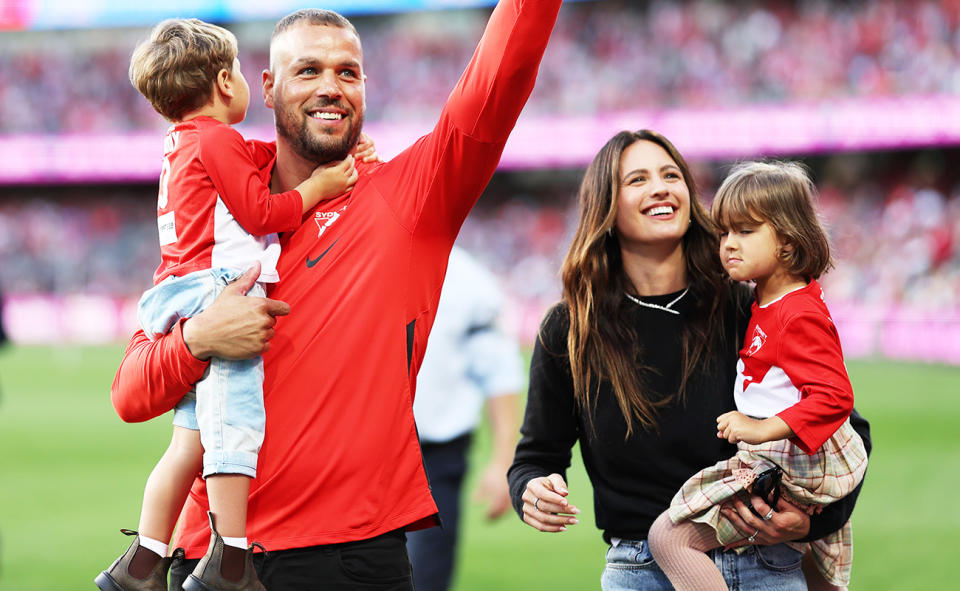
(605, 56)
(64, 240)
(3, 332)
(893, 217)
(470, 362)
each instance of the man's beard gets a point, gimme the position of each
(318, 148)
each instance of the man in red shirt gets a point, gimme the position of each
(340, 476)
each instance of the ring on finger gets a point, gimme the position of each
(768, 516)
(752, 539)
(537, 500)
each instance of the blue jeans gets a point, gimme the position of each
(226, 405)
(630, 567)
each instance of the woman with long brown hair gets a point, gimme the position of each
(636, 363)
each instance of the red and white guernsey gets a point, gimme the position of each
(791, 366)
(362, 273)
(214, 209)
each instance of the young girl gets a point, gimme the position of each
(792, 392)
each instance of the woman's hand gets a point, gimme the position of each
(545, 505)
(787, 523)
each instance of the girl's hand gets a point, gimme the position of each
(735, 427)
(545, 505)
(328, 181)
(338, 178)
(365, 150)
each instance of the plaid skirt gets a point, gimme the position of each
(819, 479)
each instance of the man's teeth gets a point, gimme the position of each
(327, 116)
(661, 210)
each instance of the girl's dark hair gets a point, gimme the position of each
(782, 194)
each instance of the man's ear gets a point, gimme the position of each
(225, 83)
(267, 86)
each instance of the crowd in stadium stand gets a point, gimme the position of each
(64, 240)
(604, 56)
(894, 217)
(896, 234)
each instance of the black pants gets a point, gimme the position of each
(380, 564)
(432, 551)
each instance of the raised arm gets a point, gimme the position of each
(447, 169)
(497, 82)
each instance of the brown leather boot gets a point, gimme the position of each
(119, 578)
(207, 577)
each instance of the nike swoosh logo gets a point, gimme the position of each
(312, 262)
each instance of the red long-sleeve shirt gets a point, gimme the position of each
(215, 210)
(792, 366)
(340, 459)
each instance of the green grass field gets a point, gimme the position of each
(72, 474)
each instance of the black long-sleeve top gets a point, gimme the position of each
(635, 478)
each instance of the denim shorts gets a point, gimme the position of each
(630, 567)
(226, 405)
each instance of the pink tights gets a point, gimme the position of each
(680, 551)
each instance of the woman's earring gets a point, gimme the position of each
(610, 231)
